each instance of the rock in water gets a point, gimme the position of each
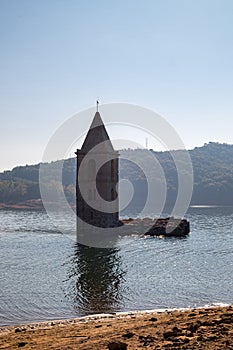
(169, 227)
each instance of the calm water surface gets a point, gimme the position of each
(44, 275)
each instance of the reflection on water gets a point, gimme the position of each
(95, 280)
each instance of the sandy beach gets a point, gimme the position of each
(206, 328)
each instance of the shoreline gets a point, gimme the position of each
(115, 315)
(187, 328)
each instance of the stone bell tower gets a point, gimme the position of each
(97, 178)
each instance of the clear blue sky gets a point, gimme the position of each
(57, 56)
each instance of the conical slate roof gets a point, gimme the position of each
(97, 134)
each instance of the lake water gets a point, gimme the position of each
(44, 275)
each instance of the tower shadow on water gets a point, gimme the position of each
(95, 280)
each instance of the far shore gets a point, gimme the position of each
(38, 204)
(197, 328)
(29, 204)
(32, 204)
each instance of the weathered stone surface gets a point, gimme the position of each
(95, 186)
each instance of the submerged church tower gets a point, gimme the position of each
(97, 178)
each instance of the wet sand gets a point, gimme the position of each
(207, 328)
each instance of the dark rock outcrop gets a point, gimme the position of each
(169, 227)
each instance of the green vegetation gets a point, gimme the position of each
(212, 165)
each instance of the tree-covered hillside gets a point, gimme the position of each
(212, 165)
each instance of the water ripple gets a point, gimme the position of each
(44, 276)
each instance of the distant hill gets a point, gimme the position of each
(212, 165)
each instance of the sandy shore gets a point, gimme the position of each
(208, 328)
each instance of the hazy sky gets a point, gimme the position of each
(174, 57)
